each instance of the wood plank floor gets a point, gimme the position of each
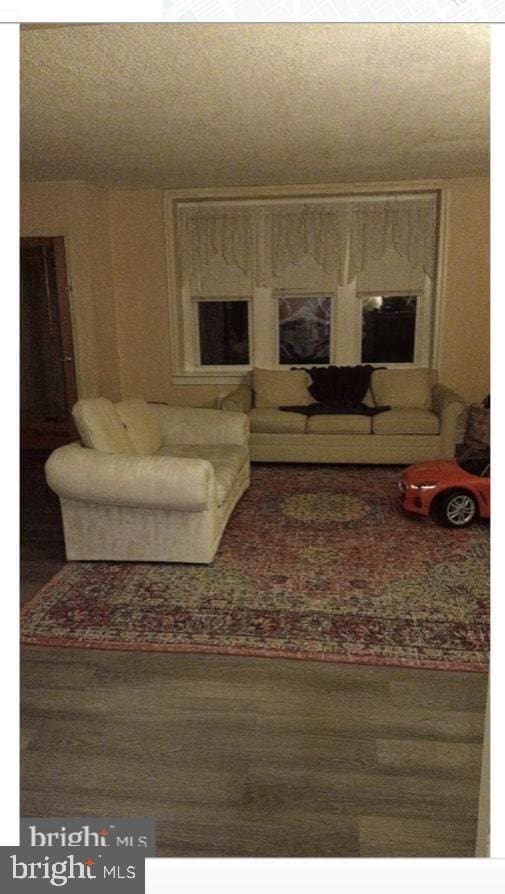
(243, 756)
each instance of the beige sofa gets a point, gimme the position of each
(420, 425)
(149, 482)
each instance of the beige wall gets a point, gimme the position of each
(102, 290)
(465, 305)
(120, 301)
(140, 285)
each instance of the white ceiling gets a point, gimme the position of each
(182, 105)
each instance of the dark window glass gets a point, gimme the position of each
(224, 333)
(476, 462)
(304, 330)
(389, 328)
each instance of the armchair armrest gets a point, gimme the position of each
(193, 425)
(241, 399)
(448, 406)
(153, 482)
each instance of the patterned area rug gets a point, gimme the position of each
(317, 562)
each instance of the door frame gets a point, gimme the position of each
(53, 434)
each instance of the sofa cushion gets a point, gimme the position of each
(100, 426)
(406, 421)
(281, 387)
(339, 423)
(270, 420)
(368, 398)
(142, 426)
(226, 459)
(402, 387)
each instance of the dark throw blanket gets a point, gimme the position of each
(339, 389)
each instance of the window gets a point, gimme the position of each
(300, 281)
(223, 332)
(304, 329)
(388, 328)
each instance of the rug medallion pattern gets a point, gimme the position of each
(317, 562)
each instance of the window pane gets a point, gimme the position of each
(304, 330)
(389, 328)
(224, 333)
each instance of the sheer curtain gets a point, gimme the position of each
(341, 236)
(225, 231)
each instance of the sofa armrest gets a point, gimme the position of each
(152, 482)
(241, 399)
(448, 406)
(192, 425)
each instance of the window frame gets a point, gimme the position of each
(262, 316)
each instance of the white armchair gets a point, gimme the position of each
(150, 482)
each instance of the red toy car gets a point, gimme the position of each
(456, 491)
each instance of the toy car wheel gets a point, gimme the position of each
(458, 509)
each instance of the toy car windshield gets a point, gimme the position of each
(475, 462)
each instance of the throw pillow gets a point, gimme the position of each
(100, 427)
(402, 387)
(278, 387)
(142, 427)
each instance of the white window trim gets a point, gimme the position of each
(184, 372)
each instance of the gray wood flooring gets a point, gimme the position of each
(242, 756)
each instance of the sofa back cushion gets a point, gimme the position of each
(402, 387)
(100, 427)
(368, 399)
(142, 426)
(281, 387)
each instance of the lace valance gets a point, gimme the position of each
(406, 225)
(341, 236)
(316, 230)
(225, 232)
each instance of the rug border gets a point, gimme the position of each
(247, 652)
(65, 569)
(244, 651)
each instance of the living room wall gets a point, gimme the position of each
(138, 244)
(117, 263)
(140, 283)
(465, 301)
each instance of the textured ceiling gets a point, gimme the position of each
(182, 105)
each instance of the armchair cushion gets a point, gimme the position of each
(100, 426)
(226, 460)
(142, 426)
(195, 425)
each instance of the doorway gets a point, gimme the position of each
(48, 379)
